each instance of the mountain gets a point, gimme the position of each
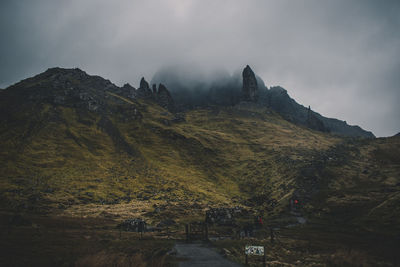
(85, 139)
(75, 145)
(220, 88)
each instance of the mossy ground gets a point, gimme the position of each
(214, 157)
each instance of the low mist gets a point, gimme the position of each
(340, 57)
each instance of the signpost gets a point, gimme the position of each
(255, 251)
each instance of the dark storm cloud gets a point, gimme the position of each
(340, 57)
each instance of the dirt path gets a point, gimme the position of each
(198, 254)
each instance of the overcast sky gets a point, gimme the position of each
(340, 57)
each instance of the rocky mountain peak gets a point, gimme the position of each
(144, 84)
(278, 89)
(76, 88)
(128, 91)
(162, 89)
(127, 86)
(144, 89)
(58, 70)
(250, 87)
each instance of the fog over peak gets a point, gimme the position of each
(341, 57)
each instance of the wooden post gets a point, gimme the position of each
(265, 258)
(206, 231)
(141, 229)
(187, 232)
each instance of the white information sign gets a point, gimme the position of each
(254, 250)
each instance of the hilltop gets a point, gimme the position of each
(223, 89)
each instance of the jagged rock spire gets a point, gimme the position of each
(164, 98)
(144, 89)
(250, 87)
(144, 84)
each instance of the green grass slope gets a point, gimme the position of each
(69, 158)
(61, 156)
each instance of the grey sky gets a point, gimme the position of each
(342, 57)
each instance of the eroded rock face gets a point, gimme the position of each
(314, 123)
(144, 84)
(164, 98)
(250, 87)
(69, 87)
(144, 89)
(128, 91)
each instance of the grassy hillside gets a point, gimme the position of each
(60, 156)
(364, 189)
(98, 154)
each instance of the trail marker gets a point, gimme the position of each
(255, 251)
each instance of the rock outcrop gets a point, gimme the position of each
(250, 88)
(75, 88)
(313, 122)
(128, 91)
(68, 87)
(144, 89)
(164, 98)
(278, 99)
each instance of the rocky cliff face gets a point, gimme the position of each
(313, 122)
(250, 87)
(75, 88)
(128, 91)
(245, 85)
(144, 89)
(68, 87)
(279, 100)
(164, 98)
